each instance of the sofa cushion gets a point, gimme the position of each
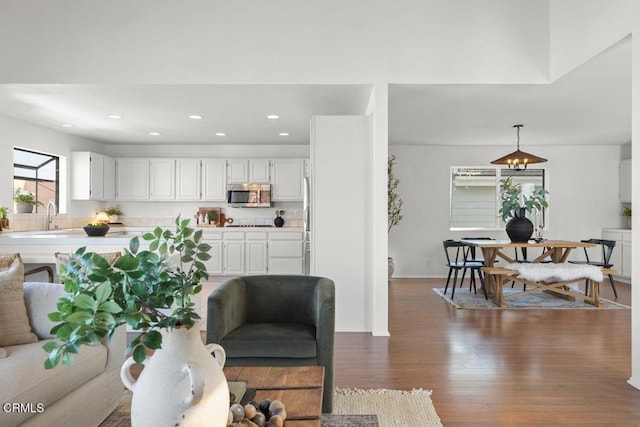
(41, 298)
(14, 322)
(292, 340)
(24, 379)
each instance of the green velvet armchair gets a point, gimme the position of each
(276, 320)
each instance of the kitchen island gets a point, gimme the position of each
(234, 250)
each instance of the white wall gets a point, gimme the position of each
(340, 210)
(583, 199)
(579, 30)
(17, 133)
(278, 41)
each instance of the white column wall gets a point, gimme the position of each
(339, 189)
(579, 30)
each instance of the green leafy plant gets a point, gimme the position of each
(510, 203)
(147, 289)
(212, 216)
(4, 212)
(114, 210)
(394, 202)
(626, 212)
(20, 196)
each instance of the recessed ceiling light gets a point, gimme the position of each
(195, 117)
(221, 134)
(114, 116)
(68, 125)
(154, 133)
(273, 116)
(284, 134)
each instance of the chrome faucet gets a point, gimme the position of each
(51, 203)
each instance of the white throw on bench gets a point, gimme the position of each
(560, 272)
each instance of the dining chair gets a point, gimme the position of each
(606, 247)
(458, 256)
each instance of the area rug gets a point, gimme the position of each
(466, 299)
(394, 408)
(352, 408)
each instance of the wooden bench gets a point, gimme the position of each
(558, 288)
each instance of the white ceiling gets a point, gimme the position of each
(590, 105)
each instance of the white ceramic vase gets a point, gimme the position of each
(181, 383)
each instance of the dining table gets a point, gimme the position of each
(556, 251)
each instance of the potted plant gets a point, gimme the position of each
(151, 291)
(25, 200)
(626, 212)
(98, 227)
(515, 201)
(4, 217)
(394, 205)
(114, 212)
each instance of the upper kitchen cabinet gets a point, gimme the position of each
(241, 171)
(188, 172)
(214, 179)
(93, 176)
(625, 181)
(163, 179)
(132, 179)
(287, 179)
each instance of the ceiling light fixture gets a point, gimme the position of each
(154, 133)
(221, 134)
(114, 116)
(195, 117)
(518, 158)
(273, 116)
(68, 125)
(284, 134)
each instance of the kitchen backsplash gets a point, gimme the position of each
(37, 221)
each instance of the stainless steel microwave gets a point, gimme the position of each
(249, 195)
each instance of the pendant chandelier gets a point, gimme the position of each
(518, 159)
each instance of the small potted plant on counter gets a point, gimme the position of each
(626, 212)
(25, 200)
(114, 213)
(98, 227)
(4, 217)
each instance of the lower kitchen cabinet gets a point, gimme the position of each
(285, 253)
(621, 256)
(235, 253)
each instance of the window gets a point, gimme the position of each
(474, 195)
(38, 173)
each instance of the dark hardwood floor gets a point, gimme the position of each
(499, 367)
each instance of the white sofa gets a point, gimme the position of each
(82, 395)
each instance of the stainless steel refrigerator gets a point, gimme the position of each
(306, 220)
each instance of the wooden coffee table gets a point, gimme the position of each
(298, 387)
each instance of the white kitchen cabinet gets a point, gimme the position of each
(621, 255)
(109, 178)
(256, 253)
(259, 171)
(233, 253)
(162, 179)
(214, 179)
(254, 171)
(286, 252)
(188, 185)
(214, 264)
(625, 181)
(132, 179)
(287, 179)
(92, 176)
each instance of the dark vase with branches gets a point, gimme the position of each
(394, 204)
